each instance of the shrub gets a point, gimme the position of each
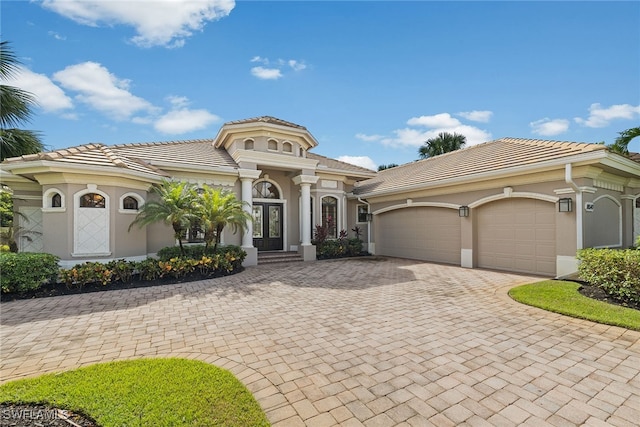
(89, 272)
(617, 272)
(338, 248)
(21, 272)
(122, 270)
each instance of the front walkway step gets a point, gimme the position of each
(278, 257)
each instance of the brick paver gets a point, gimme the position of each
(356, 342)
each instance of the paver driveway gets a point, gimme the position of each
(375, 342)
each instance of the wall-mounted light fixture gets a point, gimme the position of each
(369, 217)
(565, 205)
(463, 211)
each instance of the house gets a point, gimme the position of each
(80, 201)
(511, 204)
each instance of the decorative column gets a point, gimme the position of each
(247, 177)
(305, 181)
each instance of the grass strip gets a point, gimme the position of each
(563, 297)
(145, 392)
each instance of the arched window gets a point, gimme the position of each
(287, 147)
(53, 200)
(130, 203)
(56, 200)
(265, 190)
(248, 144)
(330, 216)
(272, 145)
(92, 200)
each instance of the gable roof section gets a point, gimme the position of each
(465, 164)
(98, 155)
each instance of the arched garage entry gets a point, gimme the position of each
(423, 233)
(517, 234)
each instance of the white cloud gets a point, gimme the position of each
(101, 90)
(56, 35)
(184, 120)
(477, 116)
(600, 117)
(48, 95)
(273, 70)
(266, 73)
(549, 127)
(415, 138)
(296, 65)
(442, 120)
(178, 101)
(161, 23)
(369, 138)
(362, 161)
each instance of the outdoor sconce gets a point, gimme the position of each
(565, 205)
(369, 217)
(463, 211)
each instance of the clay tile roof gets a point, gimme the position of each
(337, 164)
(493, 156)
(635, 157)
(266, 119)
(91, 155)
(199, 152)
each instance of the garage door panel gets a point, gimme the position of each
(425, 233)
(517, 235)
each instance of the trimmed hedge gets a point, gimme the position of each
(340, 248)
(25, 271)
(617, 272)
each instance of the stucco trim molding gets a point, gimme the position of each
(411, 204)
(507, 194)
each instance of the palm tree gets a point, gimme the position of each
(16, 109)
(621, 144)
(176, 206)
(218, 209)
(443, 143)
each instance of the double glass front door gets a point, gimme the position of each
(267, 226)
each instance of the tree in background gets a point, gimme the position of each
(384, 167)
(443, 143)
(621, 144)
(16, 110)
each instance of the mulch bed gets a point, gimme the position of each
(34, 415)
(56, 289)
(597, 293)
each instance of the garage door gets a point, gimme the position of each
(424, 233)
(517, 235)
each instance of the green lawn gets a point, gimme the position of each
(145, 392)
(563, 297)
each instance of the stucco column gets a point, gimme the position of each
(305, 191)
(305, 181)
(246, 178)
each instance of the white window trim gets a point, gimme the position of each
(46, 201)
(277, 149)
(136, 196)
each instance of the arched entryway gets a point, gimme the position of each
(268, 216)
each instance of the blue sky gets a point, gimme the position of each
(370, 80)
